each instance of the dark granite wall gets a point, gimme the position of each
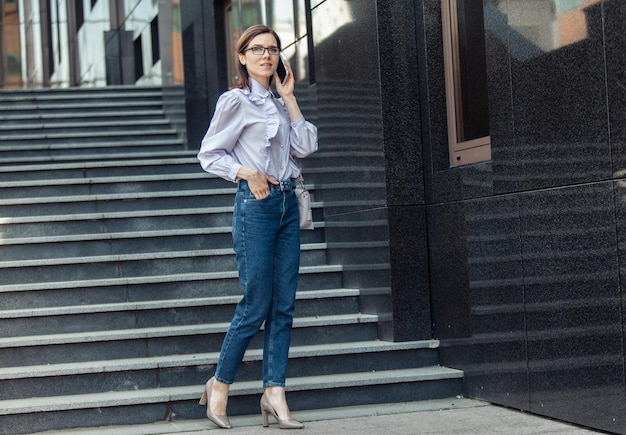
(526, 251)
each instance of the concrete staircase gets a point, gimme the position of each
(117, 279)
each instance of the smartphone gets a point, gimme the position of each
(282, 70)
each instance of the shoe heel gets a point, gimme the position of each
(203, 398)
(266, 422)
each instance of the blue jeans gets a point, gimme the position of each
(266, 239)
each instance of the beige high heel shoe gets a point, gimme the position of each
(220, 420)
(266, 408)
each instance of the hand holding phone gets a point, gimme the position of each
(282, 70)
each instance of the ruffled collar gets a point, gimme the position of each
(257, 93)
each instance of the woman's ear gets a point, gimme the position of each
(242, 59)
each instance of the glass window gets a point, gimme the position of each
(14, 67)
(154, 33)
(466, 81)
(138, 51)
(280, 15)
(80, 14)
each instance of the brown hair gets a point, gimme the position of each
(248, 35)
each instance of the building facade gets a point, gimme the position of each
(90, 43)
(482, 143)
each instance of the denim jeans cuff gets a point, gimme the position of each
(273, 384)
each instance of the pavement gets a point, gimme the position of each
(447, 416)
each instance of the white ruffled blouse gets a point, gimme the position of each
(251, 128)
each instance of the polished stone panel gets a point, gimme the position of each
(501, 121)
(350, 178)
(572, 297)
(408, 241)
(558, 95)
(349, 121)
(346, 46)
(400, 109)
(546, 271)
(478, 298)
(448, 271)
(620, 205)
(409, 273)
(432, 92)
(615, 41)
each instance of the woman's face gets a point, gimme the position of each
(260, 67)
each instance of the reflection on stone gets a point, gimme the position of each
(348, 171)
(547, 24)
(545, 301)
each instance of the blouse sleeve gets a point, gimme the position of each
(221, 137)
(303, 138)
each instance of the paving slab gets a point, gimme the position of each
(433, 417)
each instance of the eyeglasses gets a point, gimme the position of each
(260, 51)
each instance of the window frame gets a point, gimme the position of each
(461, 152)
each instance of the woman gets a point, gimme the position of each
(252, 140)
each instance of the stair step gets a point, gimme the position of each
(194, 369)
(22, 130)
(184, 162)
(78, 96)
(238, 389)
(115, 266)
(28, 118)
(115, 202)
(109, 243)
(172, 340)
(151, 405)
(86, 92)
(97, 245)
(157, 313)
(86, 140)
(176, 361)
(168, 331)
(127, 265)
(60, 109)
(93, 157)
(159, 304)
(133, 202)
(141, 288)
(75, 225)
(45, 263)
(110, 185)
